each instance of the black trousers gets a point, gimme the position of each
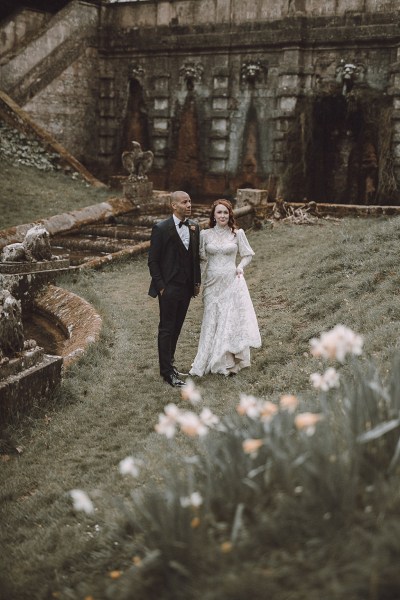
(174, 304)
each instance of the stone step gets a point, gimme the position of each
(114, 231)
(95, 246)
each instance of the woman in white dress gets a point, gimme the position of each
(229, 327)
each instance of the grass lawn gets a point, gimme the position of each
(303, 280)
(28, 194)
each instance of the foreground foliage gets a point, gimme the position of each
(271, 487)
(303, 280)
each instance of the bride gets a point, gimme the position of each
(229, 327)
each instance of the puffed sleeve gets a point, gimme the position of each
(244, 247)
(202, 250)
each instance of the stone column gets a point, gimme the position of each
(394, 91)
(287, 94)
(219, 122)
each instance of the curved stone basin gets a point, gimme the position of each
(45, 332)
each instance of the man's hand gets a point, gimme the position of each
(162, 291)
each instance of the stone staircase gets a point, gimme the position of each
(43, 56)
(88, 243)
(18, 29)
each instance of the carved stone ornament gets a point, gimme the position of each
(348, 73)
(137, 72)
(35, 247)
(11, 328)
(192, 73)
(251, 71)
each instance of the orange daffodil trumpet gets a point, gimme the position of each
(288, 402)
(251, 446)
(190, 423)
(252, 407)
(307, 422)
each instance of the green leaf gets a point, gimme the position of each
(378, 431)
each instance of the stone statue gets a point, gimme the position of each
(11, 329)
(35, 247)
(137, 162)
(13, 253)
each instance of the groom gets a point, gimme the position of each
(174, 266)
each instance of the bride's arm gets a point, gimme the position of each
(202, 253)
(245, 251)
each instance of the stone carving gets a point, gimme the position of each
(37, 243)
(251, 71)
(192, 73)
(13, 253)
(11, 329)
(137, 162)
(35, 247)
(347, 73)
(137, 72)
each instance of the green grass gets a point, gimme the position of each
(28, 194)
(303, 280)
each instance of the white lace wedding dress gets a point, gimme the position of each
(229, 327)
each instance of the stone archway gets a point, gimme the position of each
(186, 170)
(135, 125)
(250, 148)
(335, 149)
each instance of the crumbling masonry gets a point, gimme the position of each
(227, 94)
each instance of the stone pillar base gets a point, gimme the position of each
(250, 197)
(138, 192)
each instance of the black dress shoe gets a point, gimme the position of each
(174, 380)
(179, 373)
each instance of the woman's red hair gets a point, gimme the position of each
(231, 222)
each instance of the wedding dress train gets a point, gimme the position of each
(229, 327)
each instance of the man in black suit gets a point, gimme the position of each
(175, 278)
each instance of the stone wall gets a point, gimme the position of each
(229, 93)
(228, 105)
(67, 107)
(73, 22)
(156, 13)
(19, 27)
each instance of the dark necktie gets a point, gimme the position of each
(186, 222)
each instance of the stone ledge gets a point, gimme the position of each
(77, 318)
(27, 268)
(26, 360)
(39, 382)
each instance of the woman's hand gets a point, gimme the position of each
(239, 272)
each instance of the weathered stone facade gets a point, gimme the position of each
(228, 93)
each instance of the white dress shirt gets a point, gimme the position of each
(183, 232)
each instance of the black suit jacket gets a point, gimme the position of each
(165, 254)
